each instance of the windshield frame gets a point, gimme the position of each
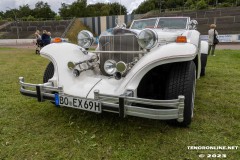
(156, 22)
(159, 18)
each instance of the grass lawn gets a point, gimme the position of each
(32, 130)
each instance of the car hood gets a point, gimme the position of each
(165, 35)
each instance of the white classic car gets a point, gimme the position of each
(148, 70)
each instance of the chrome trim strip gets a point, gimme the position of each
(163, 114)
(45, 87)
(175, 111)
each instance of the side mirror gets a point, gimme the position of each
(193, 24)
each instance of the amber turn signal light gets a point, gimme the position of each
(181, 39)
(57, 40)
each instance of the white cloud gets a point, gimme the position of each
(55, 4)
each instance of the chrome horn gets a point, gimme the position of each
(71, 65)
(122, 68)
(117, 75)
(76, 72)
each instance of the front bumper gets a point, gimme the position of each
(124, 105)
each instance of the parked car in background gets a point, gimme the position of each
(148, 70)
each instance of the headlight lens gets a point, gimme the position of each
(121, 67)
(147, 38)
(85, 39)
(110, 67)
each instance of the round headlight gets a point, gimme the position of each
(110, 67)
(121, 67)
(147, 38)
(85, 39)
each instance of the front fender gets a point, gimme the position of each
(170, 53)
(60, 54)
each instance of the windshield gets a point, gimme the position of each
(172, 23)
(144, 23)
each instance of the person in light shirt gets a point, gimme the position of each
(211, 45)
(38, 36)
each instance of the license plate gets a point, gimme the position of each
(78, 103)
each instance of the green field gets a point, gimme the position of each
(32, 130)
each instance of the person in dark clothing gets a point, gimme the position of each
(46, 38)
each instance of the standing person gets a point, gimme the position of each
(38, 41)
(45, 38)
(211, 44)
(50, 38)
(38, 36)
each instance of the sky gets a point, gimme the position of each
(56, 4)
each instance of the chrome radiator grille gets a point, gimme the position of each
(123, 42)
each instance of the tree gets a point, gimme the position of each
(1, 15)
(98, 9)
(78, 8)
(11, 14)
(64, 11)
(81, 9)
(145, 7)
(201, 4)
(115, 9)
(25, 11)
(105, 10)
(43, 10)
(189, 3)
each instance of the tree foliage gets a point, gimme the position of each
(78, 8)
(43, 10)
(201, 4)
(149, 5)
(25, 11)
(81, 9)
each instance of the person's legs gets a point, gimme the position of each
(213, 49)
(209, 49)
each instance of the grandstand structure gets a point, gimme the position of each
(26, 29)
(226, 19)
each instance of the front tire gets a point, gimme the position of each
(49, 72)
(203, 64)
(181, 81)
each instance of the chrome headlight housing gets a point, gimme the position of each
(110, 67)
(147, 39)
(85, 39)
